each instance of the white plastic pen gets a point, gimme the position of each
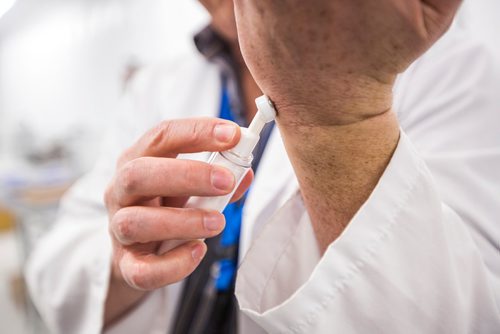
(238, 160)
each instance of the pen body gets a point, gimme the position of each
(238, 165)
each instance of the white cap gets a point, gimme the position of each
(250, 136)
(265, 108)
(247, 143)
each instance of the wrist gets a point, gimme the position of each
(339, 101)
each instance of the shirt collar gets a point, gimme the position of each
(210, 44)
(217, 51)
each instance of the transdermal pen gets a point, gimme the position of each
(238, 159)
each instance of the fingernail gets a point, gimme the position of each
(221, 179)
(197, 251)
(213, 222)
(225, 132)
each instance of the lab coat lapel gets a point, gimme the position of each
(274, 183)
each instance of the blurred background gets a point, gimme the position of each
(64, 65)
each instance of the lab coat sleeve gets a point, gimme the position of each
(422, 254)
(68, 270)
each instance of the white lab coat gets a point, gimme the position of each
(421, 256)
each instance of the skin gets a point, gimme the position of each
(335, 100)
(335, 115)
(145, 203)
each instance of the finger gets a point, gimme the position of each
(145, 178)
(146, 271)
(172, 137)
(243, 187)
(146, 224)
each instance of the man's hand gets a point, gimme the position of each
(145, 204)
(328, 58)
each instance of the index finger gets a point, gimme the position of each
(191, 135)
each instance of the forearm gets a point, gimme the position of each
(338, 166)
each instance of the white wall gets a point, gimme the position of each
(61, 62)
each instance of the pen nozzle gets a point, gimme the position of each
(265, 114)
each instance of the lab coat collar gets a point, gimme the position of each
(274, 184)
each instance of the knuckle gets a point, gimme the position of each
(138, 276)
(191, 175)
(128, 177)
(197, 131)
(193, 131)
(159, 133)
(123, 227)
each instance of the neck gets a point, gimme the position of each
(338, 166)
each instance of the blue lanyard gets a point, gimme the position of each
(233, 214)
